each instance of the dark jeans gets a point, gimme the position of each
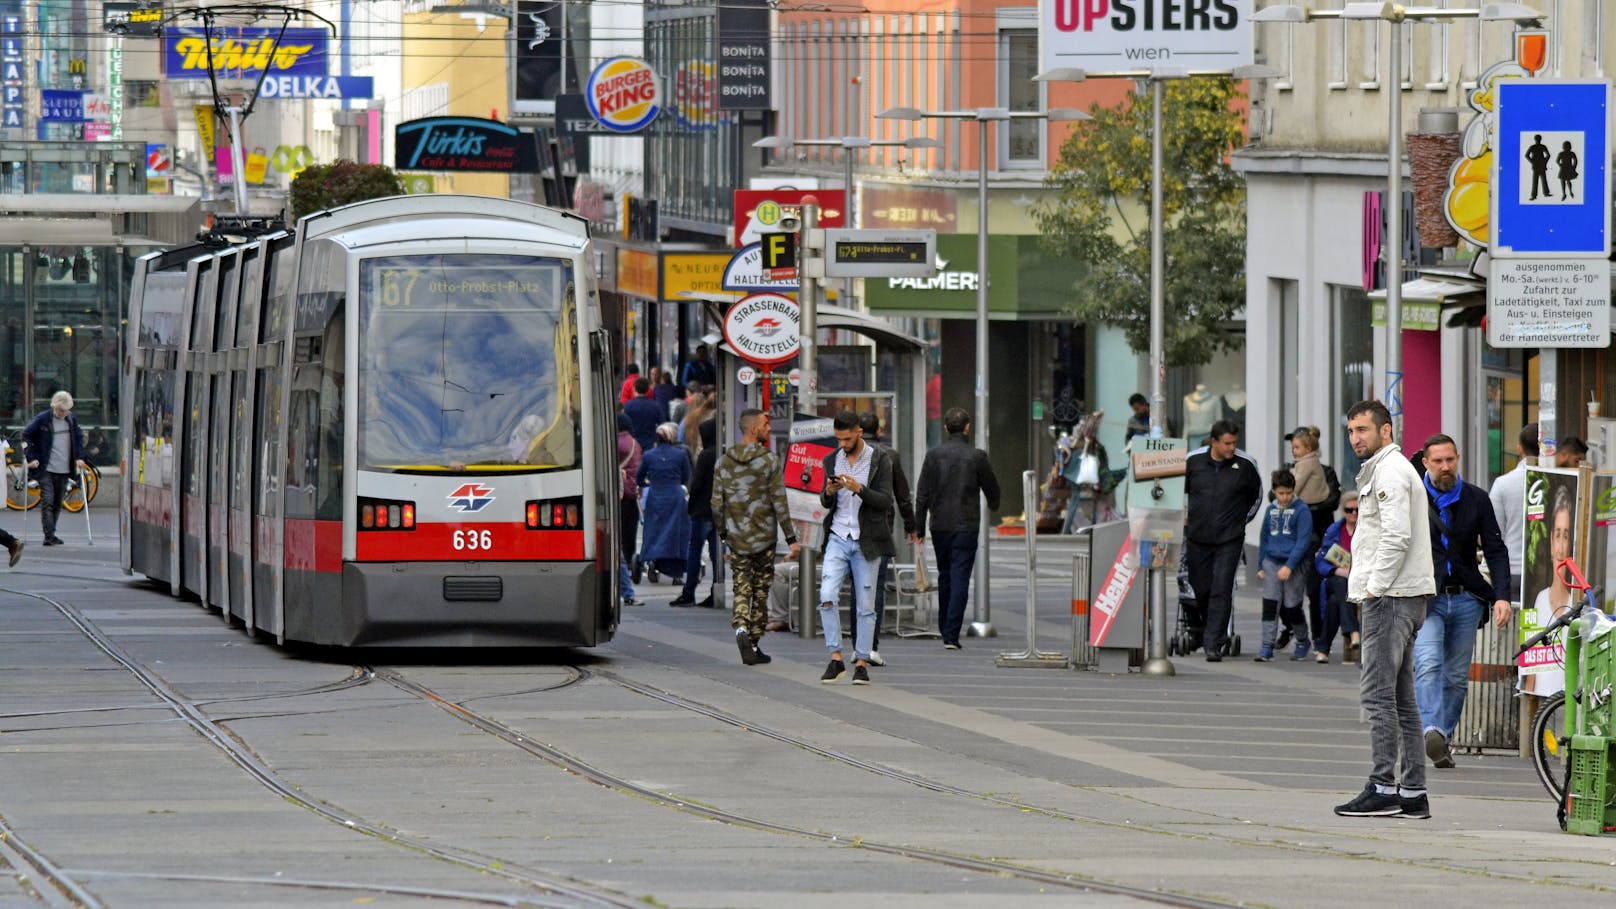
(702, 530)
(1212, 571)
(956, 557)
(6, 539)
(1339, 615)
(1386, 691)
(880, 600)
(52, 490)
(628, 521)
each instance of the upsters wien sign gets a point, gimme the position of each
(762, 328)
(464, 143)
(1106, 36)
(623, 94)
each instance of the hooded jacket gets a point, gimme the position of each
(749, 499)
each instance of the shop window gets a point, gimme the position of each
(1021, 142)
(1355, 366)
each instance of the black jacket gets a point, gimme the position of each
(875, 504)
(1470, 521)
(900, 489)
(701, 481)
(37, 436)
(1222, 496)
(952, 477)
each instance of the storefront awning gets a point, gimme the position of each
(1424, 298)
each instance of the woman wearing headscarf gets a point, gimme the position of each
(665, 474)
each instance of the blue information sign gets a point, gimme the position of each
(1551, 189)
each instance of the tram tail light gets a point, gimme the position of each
(555, 514)
(386, 514)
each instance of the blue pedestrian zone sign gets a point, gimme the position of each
(1551, 188)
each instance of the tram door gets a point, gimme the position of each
(191, 424)
(269, 439)
(608, 484)
(238, 493)
(218, 458)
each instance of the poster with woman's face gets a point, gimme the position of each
(1551, 510)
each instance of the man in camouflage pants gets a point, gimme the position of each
(749, 500)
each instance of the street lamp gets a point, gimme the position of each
(849, 145)
(1396, 14)
(981, 626)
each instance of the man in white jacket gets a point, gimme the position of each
(1391, 580)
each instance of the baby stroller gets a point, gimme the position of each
(1189, 633)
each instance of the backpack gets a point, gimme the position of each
(1334, 500)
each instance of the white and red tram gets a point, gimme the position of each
(393, 426)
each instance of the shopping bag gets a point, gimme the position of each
(922, 582)
(1088, 470)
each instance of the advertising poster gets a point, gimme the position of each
(1551, 527)
(1602, 538)
(811, 439)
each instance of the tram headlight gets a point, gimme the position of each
(555, 514)
(386, 514)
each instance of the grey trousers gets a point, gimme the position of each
(1386, 690)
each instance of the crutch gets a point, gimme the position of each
(84, 493)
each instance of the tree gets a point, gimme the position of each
(1104, 167)
(330, 185)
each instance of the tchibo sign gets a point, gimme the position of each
(1105, 36)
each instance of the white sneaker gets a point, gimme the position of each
(875, 658)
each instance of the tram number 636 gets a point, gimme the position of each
(473, 540)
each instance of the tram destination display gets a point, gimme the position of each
(880, 253)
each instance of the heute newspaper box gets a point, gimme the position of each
(1116, 593)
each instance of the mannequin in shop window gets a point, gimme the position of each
(1201, 410)
(1234, 404)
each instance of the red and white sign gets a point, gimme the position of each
(746, 375)
(794, 377)
(1114, 592)
(758, 211)
(623, 94)
(763, 328)
(1126, 35)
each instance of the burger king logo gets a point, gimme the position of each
(623, 94)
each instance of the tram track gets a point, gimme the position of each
(1018, 805)
(606, 779)
(556, 892)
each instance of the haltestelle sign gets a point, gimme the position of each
(763, 328)
(1103, 36)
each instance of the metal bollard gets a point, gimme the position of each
(1156, 630)
(1031, 656)
(1084, 656)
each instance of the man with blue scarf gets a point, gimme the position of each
(1461, 520)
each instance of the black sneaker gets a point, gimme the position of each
(761, 656)
(834, 672)
(951, 645)
(1214, 657)
(682, 600)
(1436, 748)
(743, 640)
(708, 603)
(1370, 803)
(861, 674)
(1417, 807)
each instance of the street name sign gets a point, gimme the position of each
(880, 253)
(1548, 303)
(1551, 188)
(1107, 36)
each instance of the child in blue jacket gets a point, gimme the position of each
(1285, 540)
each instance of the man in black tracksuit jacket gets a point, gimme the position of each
(1223, 491)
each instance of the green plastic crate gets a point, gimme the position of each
(1592, 796)
(1597, 683)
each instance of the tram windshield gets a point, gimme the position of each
(467, 363)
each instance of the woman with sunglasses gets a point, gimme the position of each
(1334, 562)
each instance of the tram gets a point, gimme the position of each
(391, 426)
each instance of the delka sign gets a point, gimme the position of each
(1108, 36)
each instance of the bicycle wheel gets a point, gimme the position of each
(77, 497)
(1550, 746)
(22, 494)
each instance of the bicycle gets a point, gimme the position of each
(22, 492)
(1552, 727)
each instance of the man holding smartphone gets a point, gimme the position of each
(858, 532)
